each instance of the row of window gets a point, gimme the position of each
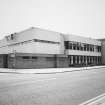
(29, 57)
(35, 57)
(74, 59)
(82, 46)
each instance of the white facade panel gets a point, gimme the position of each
(34, 46)
(44, 48)
(47, 35)
(83, 53)
(32, 33)
(36, 33)
(3, 42)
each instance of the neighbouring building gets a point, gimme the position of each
(40, 48)
(103, 50)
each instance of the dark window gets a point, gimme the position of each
(98, 48)
(85, 48)
(12, 36)
(74, 46)
(66, 44)
(34, 57)
(70, 45)
(26, 57)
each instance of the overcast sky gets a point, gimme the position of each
(80, 17)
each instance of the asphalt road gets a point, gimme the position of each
(70, 88)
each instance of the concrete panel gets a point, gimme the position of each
(32, 46)
(82, 39)
(1, 61)
(38, 62)
(62, 62)
(103, 52)
(32, 33)
(85, 53)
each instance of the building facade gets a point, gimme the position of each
(82, 51)
(103, 50)
(39, 48)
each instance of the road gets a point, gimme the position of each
(70, 88)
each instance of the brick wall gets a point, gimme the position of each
(30, 62)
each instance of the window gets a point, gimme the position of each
(66, 44)
(98, 48)
(70, 45)
(85, 48)
(74, 46)
(34, 57)
(26, 57)
(78, 46)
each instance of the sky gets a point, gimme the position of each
(79, 17)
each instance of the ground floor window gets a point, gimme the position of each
(84, 60)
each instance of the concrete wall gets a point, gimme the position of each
(62, 62)
(9, 46)
(1, 61)
(33, 47)
(82, 39)
(85, 40)
(103, 52)
(39, 61)
(85, 53)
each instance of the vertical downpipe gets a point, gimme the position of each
(55, 57)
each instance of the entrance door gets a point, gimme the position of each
(5, 61)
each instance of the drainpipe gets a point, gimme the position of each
(14, 62)
(55, 58)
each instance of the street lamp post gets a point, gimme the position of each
(14, 62)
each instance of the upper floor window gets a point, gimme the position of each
(81, 46)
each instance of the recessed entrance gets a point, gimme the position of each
(5, 60)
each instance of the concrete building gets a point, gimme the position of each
(39, 48)
(33, 48)
(103, 50)
(82, 51)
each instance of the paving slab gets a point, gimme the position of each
(48, 70)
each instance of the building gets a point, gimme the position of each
(33, 48)
(103, 50)
(82, 51)
(39, 48)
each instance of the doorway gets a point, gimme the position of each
(5, 60)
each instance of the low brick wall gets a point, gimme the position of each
(30, 62)
(1, 61)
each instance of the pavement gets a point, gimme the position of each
(70, 88)
(48, 70)
(99, 100)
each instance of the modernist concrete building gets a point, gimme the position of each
(39, 48)
(103, 50)
(82, 51)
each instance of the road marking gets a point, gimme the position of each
(99, 100)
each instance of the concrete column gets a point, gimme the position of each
(97, 59)
(86, 60)
(71, 59)
(79, 59)
(76, 59)
(56, 61)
